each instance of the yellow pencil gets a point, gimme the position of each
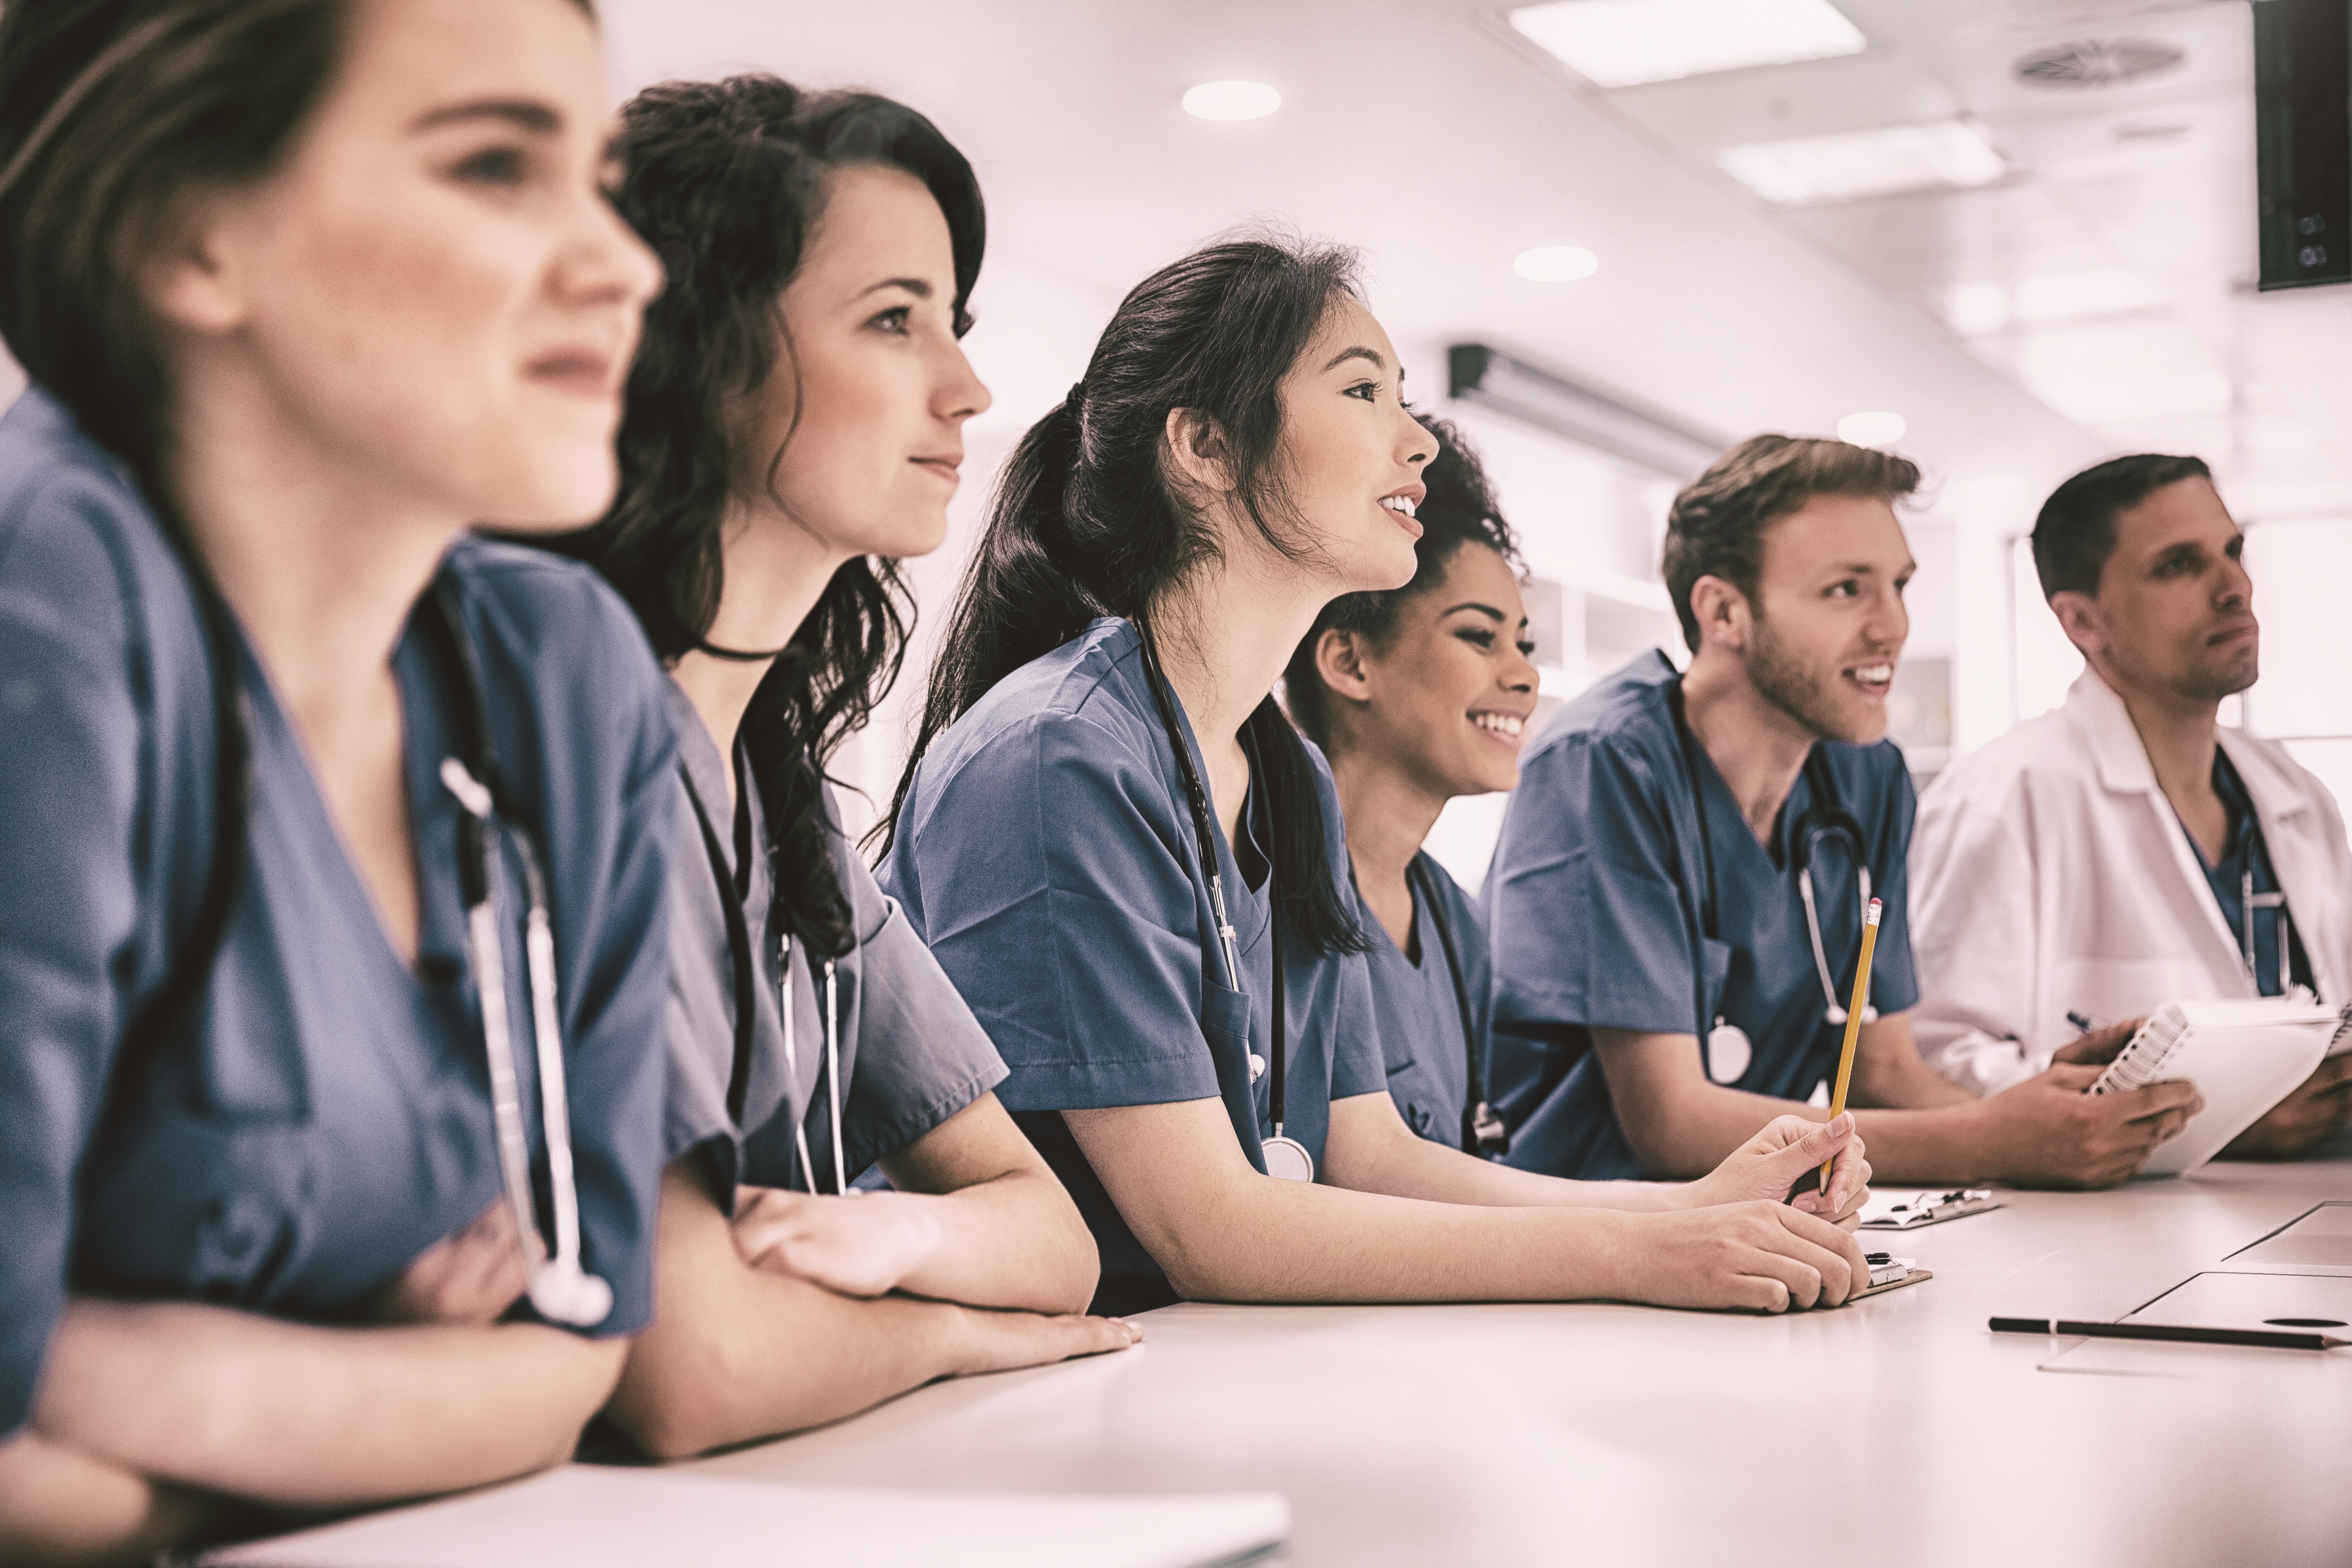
(1852, 1025)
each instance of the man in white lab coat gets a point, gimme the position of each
(2126, 850)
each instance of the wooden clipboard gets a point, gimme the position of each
(1914, 1278)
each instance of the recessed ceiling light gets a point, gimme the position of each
(1556, 264)
(1231, 100)
(1624, 43)
(1871, 429)
(1805, 170)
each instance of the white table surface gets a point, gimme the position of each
(1897, 1430)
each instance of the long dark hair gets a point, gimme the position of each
(1460, 509)
(111, 113)
(1088, 521)
(727, 181)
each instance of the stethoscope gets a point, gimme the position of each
(1729, 1051)
(1483, 1132)
(561, 1289)
(1285, 1157)
(739, 948)
(2249, 901)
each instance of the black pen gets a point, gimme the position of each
(2082, 1025)
(2266, 1338)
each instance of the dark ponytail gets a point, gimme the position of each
(727, 181)
(1089, 520)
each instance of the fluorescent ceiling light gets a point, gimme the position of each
(1805, 170)
(1556, 264)
(1231, 100)
(1871, 429)
(2097, 396)
(1653, 441)
(1623, 43)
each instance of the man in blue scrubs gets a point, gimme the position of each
(1661, 991)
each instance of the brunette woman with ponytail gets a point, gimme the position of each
(1103, 785)
(794, 425)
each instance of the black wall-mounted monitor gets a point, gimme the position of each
(2302, 134)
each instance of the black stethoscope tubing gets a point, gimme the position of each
(1197, 799)
(731, 893)
(1825, 815)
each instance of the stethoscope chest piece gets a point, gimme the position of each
(1286, 1159)
(1728, 1052)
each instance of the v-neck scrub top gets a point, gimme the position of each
(2245, 868)
(327, 1115)
(1047, 856)
(1420, 1015)
(911, 1053)
(1594, 913)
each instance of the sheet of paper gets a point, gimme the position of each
(2320, 1241)
(584, 1516)
(2304, 1303)
(1901, 1209)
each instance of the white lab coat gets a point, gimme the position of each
(2050, 874)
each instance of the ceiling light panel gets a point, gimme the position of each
(1806, 171)
(1625, 43)
(1231, 100)
(1978, 309)
(1875, 429)
(1556, 264)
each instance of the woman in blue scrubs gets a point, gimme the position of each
(794, 426)
(1416, 696)
(1133, 870)
(303, 292)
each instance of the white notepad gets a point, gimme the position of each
(2244, 1056)
(588, 1516)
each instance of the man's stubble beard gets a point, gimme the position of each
(1785, 682)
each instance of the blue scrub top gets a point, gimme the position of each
(1420, 1015)
(1594, 911)
(2245, 866)
(911, 1053)
(1046, 854)
(327, 1116)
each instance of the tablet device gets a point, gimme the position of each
(2244, 1056)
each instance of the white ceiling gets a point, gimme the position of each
(1430, 134)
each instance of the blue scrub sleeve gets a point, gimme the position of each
(1359, 1057)
(699, 1008)
(921, 1054)
(1588, 923)
(67, 822)
(1057, 898)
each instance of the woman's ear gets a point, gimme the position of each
(1197, 447)
(1340, 662)
(195, 283)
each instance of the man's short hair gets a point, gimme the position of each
(1715, 527)
(2077, 530)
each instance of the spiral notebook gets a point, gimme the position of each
(2244, 1056)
